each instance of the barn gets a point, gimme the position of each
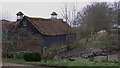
(32, 33)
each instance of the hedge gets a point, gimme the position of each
(32, 56)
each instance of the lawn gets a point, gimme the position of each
(62, 63)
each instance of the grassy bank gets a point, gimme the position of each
(62, 63)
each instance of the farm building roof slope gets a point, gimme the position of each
(50, 27)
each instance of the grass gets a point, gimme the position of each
(62, 63)
(41, 63)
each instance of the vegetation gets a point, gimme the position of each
(95, 17)
(6, 42)
(20, 55)
(10, 55)
(17, 55)
(32, 56)
(63, 63)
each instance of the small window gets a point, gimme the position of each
(25, 23)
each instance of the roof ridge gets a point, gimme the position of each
(42, 19)
(37, 17)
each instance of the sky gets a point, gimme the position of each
(41, 9)
(37, 9)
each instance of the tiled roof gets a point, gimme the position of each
(50, 27)
(47, 26)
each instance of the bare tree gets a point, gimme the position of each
(96, 17)
(69, 13)
(64, 13)
(5, 15)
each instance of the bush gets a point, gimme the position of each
(32, 56)
(91, 59)
(20, 55)
(114, 61)
(103, 60)
(10, 55)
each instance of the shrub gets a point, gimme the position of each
(20, 55)
(103, 60)
(32, 56)
(91, 59)
(10, 55)
(114, 61)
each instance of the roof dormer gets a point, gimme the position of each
(20, 15)
(54, 15)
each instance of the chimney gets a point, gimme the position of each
(54, 15)
(19, 16)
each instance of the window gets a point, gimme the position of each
(24, 23)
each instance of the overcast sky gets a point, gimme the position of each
(38, 9)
